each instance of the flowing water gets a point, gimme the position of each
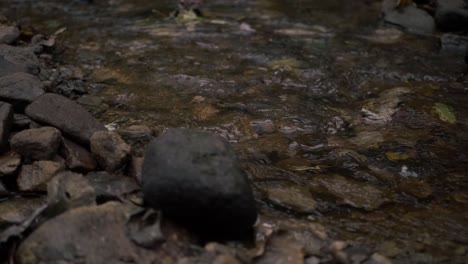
(360, 130)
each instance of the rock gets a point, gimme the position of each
(22, 57)
(411, 18)
(20, 89)
(93, 104)
(90, 234)
(37, 143)
(68, 190)
(18, 209)
(8, 34)
(9, 163)
(134, 170)
(7, 67)
(36, 176)
(111, 152)
(282, 249)
(66, 115)
(136, 133)
(263, 126)
(6, 123)
(77, 158)
(452, 16)
(352, 192)
(111, 186)
(289, 197)
(71, 88)
(195, 178)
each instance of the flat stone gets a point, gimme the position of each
(195, 178)
(77, 158)
(6, 123)
(18, 209)
(20, 89)
(37, 143)
(66, 115)
(281, 249)
(111, 152)
(88, 234)
(9, 163)
(352, 192)
(412, 19)
(36, 176)
(8, 34)
(289, 196)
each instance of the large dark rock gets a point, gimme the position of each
(6, 123)
(37, 143)
(20, 89)
(66, 115)
(195, 178)
(412, 19)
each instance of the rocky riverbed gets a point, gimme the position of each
(305, 132)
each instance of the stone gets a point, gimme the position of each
(289, 196)
(6, 124)
(8, 34)
(134, 170)
(136, 133)
(7, 67)
(68, 190)
(351, 192)
(281, 249)
(94, 104)
(453, 44)
(88, 234)
(37, 143)
(66, 115)
(77, 158)
(195, 179)
(111, 152)
(36, 176)
(412, 19)
(18, 209)
(20, 56)
(71, 88)
(20, 89)
(9, 163)
(111, 186)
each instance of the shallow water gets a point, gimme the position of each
(366, 138)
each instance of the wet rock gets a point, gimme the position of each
(16, 210)
(134, 171)
(411, 18)
(9, 163)
(145, 228)
(380, 111)
(262, 127)
(77, 158)
(68, 190)
(452, 16)
(204, 112)
(37, 143)
(20, 89)
(111, 152)
(6, 124)
(90, 234)
(282, 249)
(71, 88)
(36, 176)
(66, 115)
(194, 177)
(352, 192)
(111, 186)
(8, 34)
(290, 197)
(93, 104)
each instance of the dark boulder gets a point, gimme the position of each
(452, 16)
(66, 115)
(195, 179)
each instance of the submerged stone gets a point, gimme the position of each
(195, 178)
